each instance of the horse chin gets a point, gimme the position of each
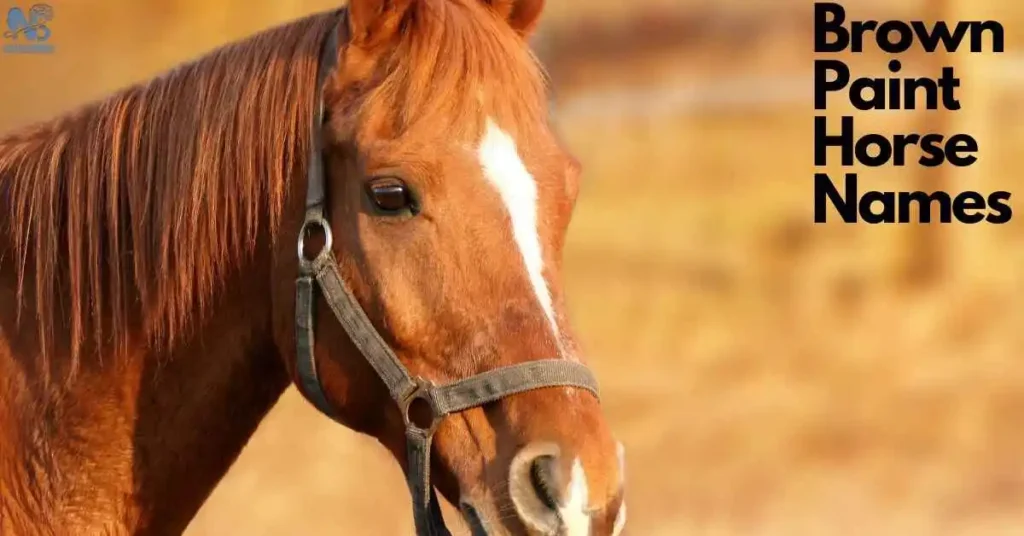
(486, 522)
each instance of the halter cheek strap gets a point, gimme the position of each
(321, 272)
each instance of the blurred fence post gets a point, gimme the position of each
(926, 262)
(979, 92)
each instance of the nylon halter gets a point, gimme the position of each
(322, 272)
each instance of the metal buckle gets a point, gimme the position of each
(310, 221)
(422, 389)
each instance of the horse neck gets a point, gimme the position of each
(138, 443)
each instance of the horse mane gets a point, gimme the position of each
(142, 203)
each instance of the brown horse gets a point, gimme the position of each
(148, 272)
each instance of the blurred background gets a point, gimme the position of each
(768, 376)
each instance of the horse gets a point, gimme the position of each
(153, 310)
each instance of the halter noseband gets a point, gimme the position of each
(443, 400)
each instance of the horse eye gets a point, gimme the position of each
(390, 194)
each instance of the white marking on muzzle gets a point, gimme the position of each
(574, 515)
(507, 173)
(620, 518)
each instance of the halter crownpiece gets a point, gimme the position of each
(322, 272)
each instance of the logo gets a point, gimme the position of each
(27, 33)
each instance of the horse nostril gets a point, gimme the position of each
(544, 481)
(536, 487)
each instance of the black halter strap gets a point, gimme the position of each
(322, 272)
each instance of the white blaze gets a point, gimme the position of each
(506, 172)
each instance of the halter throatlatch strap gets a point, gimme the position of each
(322, 272)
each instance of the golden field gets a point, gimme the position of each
(768, 376)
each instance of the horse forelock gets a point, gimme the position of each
(452, 64)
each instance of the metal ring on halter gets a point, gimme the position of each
(320, 222)
(421, 391)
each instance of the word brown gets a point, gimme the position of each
(896, 36)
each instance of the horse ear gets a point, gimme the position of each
(522, 15)
(372, 22)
